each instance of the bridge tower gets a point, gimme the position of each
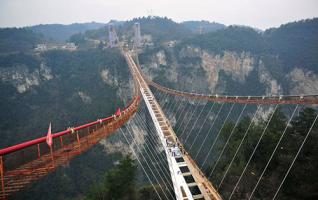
(200, 30)
(113, 39)
(137, 36)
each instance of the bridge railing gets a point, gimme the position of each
(28, 161)
(23, 153)
(273, 99)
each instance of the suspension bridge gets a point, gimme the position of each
(182, 141)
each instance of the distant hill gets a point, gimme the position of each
(61, 33)
(161, 29)
(295, 43)
(206, 26)
(18, 39)
(232, 38)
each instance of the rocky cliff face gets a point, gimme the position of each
(108, 78)
(303, 82)
(265, 77)
(195, 69)
(236, 66)
(202, 72)
(23, 79)
(159, 64)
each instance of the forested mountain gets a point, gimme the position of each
(160, 29)
(61, 33)
(233, 38)
(295, 44)
(238, 60)
(18, 39)
(65, 89)
(73, 84)
(206, 26)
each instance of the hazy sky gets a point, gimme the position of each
(257, 13)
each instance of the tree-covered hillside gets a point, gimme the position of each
(61, 33)
(161, 29)
(18, 39)
(65, 88)
(295, 44)
(301, 182)
(206, 26)
(241, 61)
(233, 38)
(120, 182)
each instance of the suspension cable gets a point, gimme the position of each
(160, 154)
(165, 100)
(175, 110)
(152, 161)
(276, 147)
(217, 136)
(238, 148)
(291, 165)
(185, 128)
(249, 160)
(181, 115)
(160, 96)
(136, 144)
(172, 102)
(175, 103)
(209, 131)
(183, 118)
(228, 139)
(143, 169)
(195, 122)
(152, 133)
(205, 119)
(153, 142)
(156, 157)
(178, 108)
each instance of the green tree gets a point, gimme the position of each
(302, 183)
(118, 183)
(148, 193)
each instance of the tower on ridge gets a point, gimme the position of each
(137, 35)
(113, 39)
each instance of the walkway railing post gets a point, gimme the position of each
(52, 156)
(78, 141)
(2, 176)
(61, 141)
(39, 151)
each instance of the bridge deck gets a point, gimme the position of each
(200, 187)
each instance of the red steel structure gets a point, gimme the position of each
(281, 99)
(22, 164)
